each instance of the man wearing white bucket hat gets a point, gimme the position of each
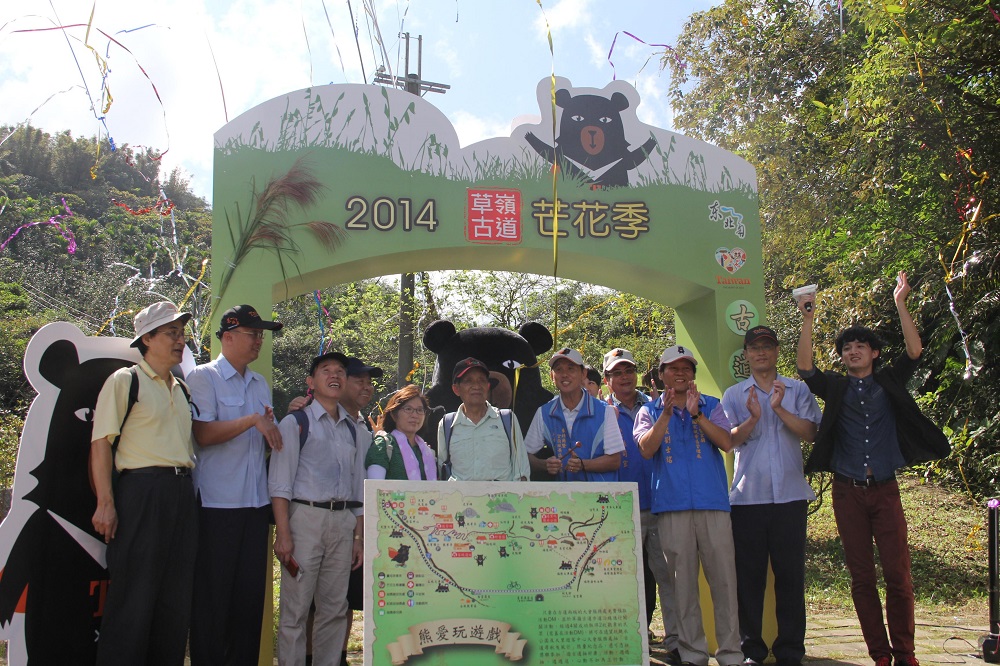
(150, 518)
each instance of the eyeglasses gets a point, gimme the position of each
(420, 411)
(627, 372)
(756, 349)
(256, 334)
(172, 333)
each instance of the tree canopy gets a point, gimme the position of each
(873, 131)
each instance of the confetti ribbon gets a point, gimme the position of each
(52, 221)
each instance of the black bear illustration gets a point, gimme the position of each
(49, 575)
(591, 144)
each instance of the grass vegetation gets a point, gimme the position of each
(948, 547)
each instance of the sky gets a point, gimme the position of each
(178, 69)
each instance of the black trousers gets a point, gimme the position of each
(229, 586)
(776, 532)
(151, 562)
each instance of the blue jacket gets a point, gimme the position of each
(588, 429)
(688, 470)
(634, 466)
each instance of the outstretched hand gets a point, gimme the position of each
(902, 289)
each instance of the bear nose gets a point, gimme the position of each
(592, 139)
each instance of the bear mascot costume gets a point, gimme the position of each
(512, 358)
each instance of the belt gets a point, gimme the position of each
(175, 471)
(869, 482)
(331, 505)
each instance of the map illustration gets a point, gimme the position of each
(491, 573)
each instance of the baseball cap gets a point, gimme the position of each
(467, 364)
(153, 316)
(675, 353)
(617, 356)
(759, 333)
(567, 353)
(355, 366)
(244, 315)
(324, 357)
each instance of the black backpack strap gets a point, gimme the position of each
(303, 420)
(449, 421)
(133, 397)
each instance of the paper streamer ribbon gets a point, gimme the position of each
(442, 633)
(666, 47)
(53, 221)
(163, 207)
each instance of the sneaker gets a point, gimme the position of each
(904, 661)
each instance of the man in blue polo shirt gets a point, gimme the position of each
(233, 427)
(684, 433)
(621, 378)
(578, 432)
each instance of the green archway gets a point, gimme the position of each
(641, 209)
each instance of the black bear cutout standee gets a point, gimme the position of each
(591, 145)
(502, 351)
(53, 572)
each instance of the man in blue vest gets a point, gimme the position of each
(684, 433)
(576, 434)
(621, 378)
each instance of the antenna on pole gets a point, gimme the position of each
(414, 84)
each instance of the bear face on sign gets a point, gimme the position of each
(591, 144)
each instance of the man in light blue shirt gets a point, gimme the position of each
(317, 487)
(233, 426)
(769, 497)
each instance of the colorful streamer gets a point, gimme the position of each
(666, 47)
(53, 221)
(163, 206)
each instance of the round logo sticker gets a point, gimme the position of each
(739, 367)
(741, 316)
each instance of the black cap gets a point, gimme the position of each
(337, 356)
(246, 316)
(759, 333)
(355, 367)
(467, 364)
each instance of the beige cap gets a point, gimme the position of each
(152, 317)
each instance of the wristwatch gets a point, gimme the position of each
(695, 417)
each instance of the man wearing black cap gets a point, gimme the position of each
(150, 518)
(317, 484)
(232, 427)
(479, 440)
(770, 497)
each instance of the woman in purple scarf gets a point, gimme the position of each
(398, 452)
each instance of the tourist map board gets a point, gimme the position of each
(490, 573)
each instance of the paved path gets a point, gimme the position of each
(834, 639)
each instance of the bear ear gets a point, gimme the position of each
(57, 360)
(438, 335)
(563, 98)
(619, 101)
(537, 336)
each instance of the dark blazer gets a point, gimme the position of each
(919, 439)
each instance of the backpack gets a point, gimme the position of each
(303, 420)
(449, 421)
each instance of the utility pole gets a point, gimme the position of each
(413, 84)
